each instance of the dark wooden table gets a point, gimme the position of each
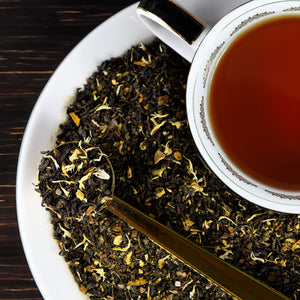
(35, 36)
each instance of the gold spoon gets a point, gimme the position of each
(237, 283)
(231, 279)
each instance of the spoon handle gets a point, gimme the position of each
(231, 279)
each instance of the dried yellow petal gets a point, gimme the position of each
(102, 174)
(83, 288)
(159, 172)
(75, 155)
(66, 233)
(138, 282)
(83, 179)
(99, 85)
(162, 261)
(141, 263)
(90, 210)
(159, 192)
(75, 118)
(68, 168)
(128, 258)
(163, 100)
(187, 224)
(197, 188)
(80, 195)
(158, 156)
(168, 150)
(103, 107)
(177, 155)
(177, 124)
(125, 248)
(156, 126)
(140, 63)
(143, 146)
(57, 166)
(129, 172)
(118, 240)
(296, 246)
(141, 98)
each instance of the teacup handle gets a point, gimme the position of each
(174, 25)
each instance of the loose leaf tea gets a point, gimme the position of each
(132, 110)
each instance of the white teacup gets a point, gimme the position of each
(205, 47)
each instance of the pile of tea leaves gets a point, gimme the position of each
(133, 109)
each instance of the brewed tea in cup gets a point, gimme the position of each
(254, 102)
(243, 97)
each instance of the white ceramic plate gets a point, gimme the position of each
(110, 39)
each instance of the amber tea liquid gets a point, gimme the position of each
(254, 102)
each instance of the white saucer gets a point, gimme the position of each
(112, 38)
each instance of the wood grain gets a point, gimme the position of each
(35, 36)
